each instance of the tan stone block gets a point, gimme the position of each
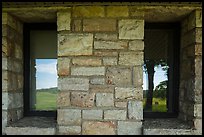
(87, 61)
(110, 45)
(101, 88)
(110, 61)
(137, 76)
(63, 66)
(131, 58)
(98, 128)
(105, 53)
(128, 93)
(104, 99)
(121, 104)
(69, 130)
(92, 25)
(63, 20)
(82, 99)
(88, 11)
(88, 71)
(117, 11)
(131, 29)
(63, 99)
(77, 25)
(119, 76)
(106, 36)
(136, 45)
(75, 44)
(115, 114)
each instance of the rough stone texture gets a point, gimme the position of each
(88, 71)
(75, 44)
(135, 110)
(110, 61)
(63, 99)
(99, 25)
(82, 99)
(118, 76)
(88, 11)
(101, 89)
(77, 25)
(12, 100)
(115, 114)
(105, 53)
(121, 104)
(110, 45)
(92, 114)
(131, 58)
(32, 126)
(131, 29)
(129, 128)
(63, 20)
(65, 84)
(136, 45)
(98, 128)
(106, 36)
(69, 130)
(63, 65)
(87, 61)
(198, 110)
(69, 117)
(137, 76)
(97, 81)
(104, 99)
(117, 11)
(128, 93)
(166, 132)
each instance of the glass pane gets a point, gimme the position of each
(155, 70)
(44, 92)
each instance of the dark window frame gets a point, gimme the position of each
(176, 61)
(27, 27)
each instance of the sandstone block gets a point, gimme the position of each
(136, 45)
(65, 84)
(131, 29)
(12, 100)
(92, 114)
(135, 110)
(77, 25)
(128, 93)
(88, 71)
(63, 65)
(101, 89)
(88, 11)
(106, 53)
(69, 130)
(82, 99)
(63, 20)
(104, 99)
(129, 128)
(131, 58)
(97, 81)
(198, 110)
(99, 25)
(98, 128)
(110, 61)
(87, 61)
(115, 114)
(110, 45)
(121, 104)
(63, 99)
(69, 117)
(75, 44)
(119, 76)
(137, 76)
(106, 36)
(117, 11)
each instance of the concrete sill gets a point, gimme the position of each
(32, 126)
(170, 126)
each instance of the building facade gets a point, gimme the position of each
(100, 54)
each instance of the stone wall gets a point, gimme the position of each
(190, 99)
(100, 57)
(12, 69)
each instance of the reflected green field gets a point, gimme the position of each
(46, 101)
(160, 107)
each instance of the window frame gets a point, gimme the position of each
(27, 27)
(175, 26)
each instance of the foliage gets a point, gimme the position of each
(161, 90)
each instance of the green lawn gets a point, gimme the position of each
(46, 101)
(161, 107)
